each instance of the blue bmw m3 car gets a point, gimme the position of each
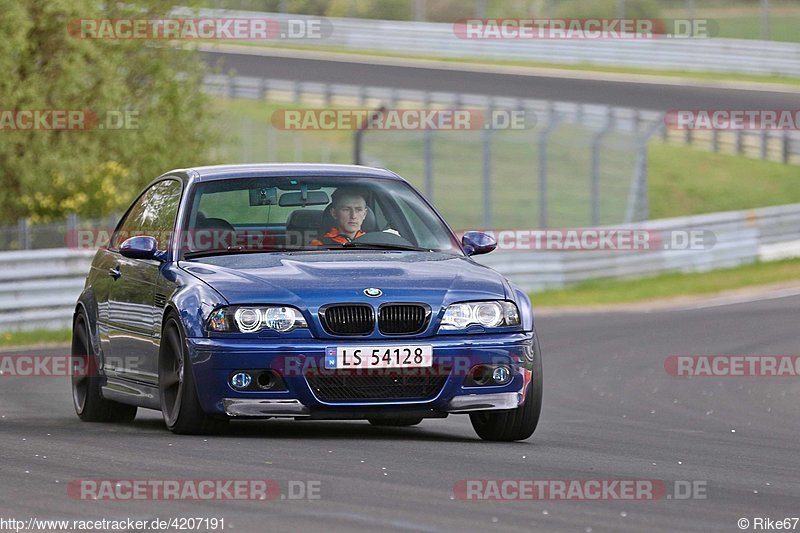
(300, 291)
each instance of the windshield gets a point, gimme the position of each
(311, 214)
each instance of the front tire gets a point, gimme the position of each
(180, 406)
(515, 424)
(87, 397)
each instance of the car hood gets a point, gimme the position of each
(310, 280)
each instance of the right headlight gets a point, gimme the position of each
(250, 319)
(489, 314)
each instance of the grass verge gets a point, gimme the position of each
(39, 336)
(604, 291)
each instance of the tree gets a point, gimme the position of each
(152, 89)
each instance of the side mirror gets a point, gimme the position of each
(477, 242)
(139, 247)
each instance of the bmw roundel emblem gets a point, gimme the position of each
(372, 292)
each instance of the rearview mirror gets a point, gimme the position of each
(139, 247)
(303, 198)
(477, 242)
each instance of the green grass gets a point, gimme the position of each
(604, 291)
(29, 338)
(683, 180)
(583, 67)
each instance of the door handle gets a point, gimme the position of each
(114, 272)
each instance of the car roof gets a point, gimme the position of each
(221, 172)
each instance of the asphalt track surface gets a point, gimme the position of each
(610, 412)
(619, 93)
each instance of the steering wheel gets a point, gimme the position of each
(383, 237)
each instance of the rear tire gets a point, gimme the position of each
(395, 422)
(180, 406)
(514, 424)
(87, 397)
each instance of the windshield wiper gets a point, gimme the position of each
(383, 246)
(232, 250)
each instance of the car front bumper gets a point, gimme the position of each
(214, 360)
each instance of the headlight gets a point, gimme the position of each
(491, 314)
(249, 319)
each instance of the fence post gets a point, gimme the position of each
(486, 137)
(24, 234)
(739, 142)
(544, 137)
(638, 207)
(298, 147)
(764, 144)
(272, 148)
(427, 138)
(597, 139)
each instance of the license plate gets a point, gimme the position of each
(395, 356)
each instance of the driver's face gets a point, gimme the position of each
(349, 214)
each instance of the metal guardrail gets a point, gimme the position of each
(39, 288)
(436, 39)
(768, 233)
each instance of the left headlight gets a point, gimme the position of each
(489, 314)
(250, 319)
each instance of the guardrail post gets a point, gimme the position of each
(72, 228)
(262, 89)
(297, 92)
(231, 86)
(327, 96)
(24, 228)
(785, 147)
(764, 144)
(715, 140)
(739, 142)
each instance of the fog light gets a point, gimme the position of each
(241, 380)
(501, 375)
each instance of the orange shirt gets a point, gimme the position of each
(333, 236)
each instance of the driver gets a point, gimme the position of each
(348, 210)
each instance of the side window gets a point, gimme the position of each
(153, 214)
